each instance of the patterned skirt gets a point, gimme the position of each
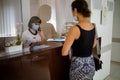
(82, 68)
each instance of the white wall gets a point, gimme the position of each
(105, 31)
(63, 14)
(116, 32)
(116, 22)
(25, 13)
(115, 56)
(102, 74)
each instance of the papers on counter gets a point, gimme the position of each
(36, 47)
(57, 40)
(40, 47)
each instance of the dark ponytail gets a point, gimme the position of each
(82, 7)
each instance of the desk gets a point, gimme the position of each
(43, 64)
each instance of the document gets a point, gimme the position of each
(57, 39)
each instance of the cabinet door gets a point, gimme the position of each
(59, 65)
(30, 67)
(11, 69)
(35, 67)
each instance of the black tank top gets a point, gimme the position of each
(82, 47)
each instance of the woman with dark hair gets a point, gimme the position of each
(33, 33)
(81, 39)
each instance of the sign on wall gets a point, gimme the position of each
(110, 5)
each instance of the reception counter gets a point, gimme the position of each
(41, 64)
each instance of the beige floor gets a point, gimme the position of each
(114, 71)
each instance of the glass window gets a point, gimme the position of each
(10, 18)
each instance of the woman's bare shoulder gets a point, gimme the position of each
(74, 31)
(74, 28)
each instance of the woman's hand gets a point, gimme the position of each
(41, 35)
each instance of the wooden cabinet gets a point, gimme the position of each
(10, 69)
(35, 68)
(25, 68)
(46, 64)
(59, 66)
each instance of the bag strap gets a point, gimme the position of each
(95, 30)
(97, 49)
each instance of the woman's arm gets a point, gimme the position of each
(41, 35)
(71, 36)
(95, 40)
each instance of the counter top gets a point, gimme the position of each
(41, 48)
